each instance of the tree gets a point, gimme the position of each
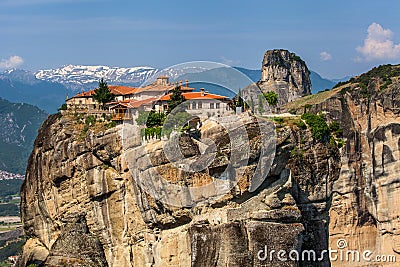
(150, 118)
(176, 99)
(272, 98)
(62, 107)
(176, 120)
(239, 99)
(102, 94)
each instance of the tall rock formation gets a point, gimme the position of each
(82, 207)
(286, 74)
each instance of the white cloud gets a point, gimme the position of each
(12, 62)
(325, 56)
(378, 45)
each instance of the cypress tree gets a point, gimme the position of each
(176, 99)
(102, 94)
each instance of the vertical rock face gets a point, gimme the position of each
(364, 209)
(82, 207)
(286, 74)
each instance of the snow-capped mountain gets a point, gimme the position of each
(87, 77)
(78, 77)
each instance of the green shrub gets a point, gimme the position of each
(90, 120)
(111, 124)
(297, 153)
(150, 118)
(279, 120)
(271, 97)
(301, 124)
(340, 142)
(106, 117)
(62, 107)
(335, 128)
(319, 128)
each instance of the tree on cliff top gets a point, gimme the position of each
(102, 94)
(272, 98)
(176, 99)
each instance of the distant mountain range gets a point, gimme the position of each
(19, 124)
(23, 87)
(78, 77)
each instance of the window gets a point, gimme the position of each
(211, 105)
(200, 105)
(194, 105)
(217, 105)
(80, 102)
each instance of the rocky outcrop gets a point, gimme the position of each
(286, 74)
(83, 205)
(100, 198)
(364, 209)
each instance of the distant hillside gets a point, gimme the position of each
(380, 83)
(18, 129)
(320, 84)
(22, 86)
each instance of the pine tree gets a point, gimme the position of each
(272, 98)
(176, 99)
(102, 94)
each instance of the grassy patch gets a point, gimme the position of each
(310, 100)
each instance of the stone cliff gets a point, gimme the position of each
(82, 205)
(98, 198)
(286, 74)
(364, 209)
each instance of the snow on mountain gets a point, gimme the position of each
(78, 77)
(86, 77)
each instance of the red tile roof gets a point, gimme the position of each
(122, 90)
(115, 89)
(85, 94)
(129, 103)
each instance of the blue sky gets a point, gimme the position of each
(335, 38)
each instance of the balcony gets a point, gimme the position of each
(121, 116)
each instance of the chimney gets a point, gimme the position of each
(202, 91)
(187, 83)
(162, 80)
(180, 83)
